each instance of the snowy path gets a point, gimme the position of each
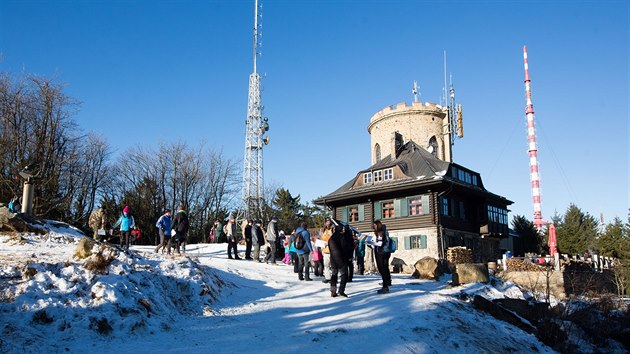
(259, 308)
(269, 310)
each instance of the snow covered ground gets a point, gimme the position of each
(204, 302)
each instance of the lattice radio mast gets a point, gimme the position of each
(255, 127)
(532, 147)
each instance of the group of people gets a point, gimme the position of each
(103, 230)
(341, 246)
(173, 232)
(331, 256)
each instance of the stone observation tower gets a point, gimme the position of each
(427, 124)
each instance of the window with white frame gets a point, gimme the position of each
(388, 174)
(367, 178)
(416, 242)
(378, 176)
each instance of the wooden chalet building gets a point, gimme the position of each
(427, 204)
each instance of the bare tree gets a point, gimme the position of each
(201, 179)
(92, 171)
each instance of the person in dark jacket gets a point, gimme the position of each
(180, 227)
(248, 239)
(351, 259)
(303, 253)
(382, 257)
(341, 246)
(258, 239)
(220, 234)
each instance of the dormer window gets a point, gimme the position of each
(378, 176)
(389, 174)
(367, 178)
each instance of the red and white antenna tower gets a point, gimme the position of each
(532, 148)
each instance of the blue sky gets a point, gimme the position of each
(151, 71)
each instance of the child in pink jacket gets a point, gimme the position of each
(317, 259)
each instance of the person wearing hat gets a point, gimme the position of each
(126, 223)
(272, 236)
(180, 226)
(164, 227)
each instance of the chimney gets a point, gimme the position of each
(397, 143)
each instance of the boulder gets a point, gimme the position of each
(470, 273)
(84, 248)
(5, 215)
(427, 268)
(397, 265)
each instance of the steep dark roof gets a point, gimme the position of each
(413, 160)
(420, 167)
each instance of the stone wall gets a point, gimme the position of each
(565, 283)
(407, 258)
(537, 281)
(416, 122)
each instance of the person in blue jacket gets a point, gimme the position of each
(304, 252)
(164, 227)
(359, 254)
(126, 224)
(14, 205)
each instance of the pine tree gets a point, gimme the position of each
(610, 243)
(575, 231)
(529, 239)
(287, 209)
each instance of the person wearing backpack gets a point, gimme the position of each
(382, 254)
(293, 256)
(303, 248)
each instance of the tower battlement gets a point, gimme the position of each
(403, 107)
(425, 123)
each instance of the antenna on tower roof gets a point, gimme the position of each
(257, 31)
(415, 91)
(444, 97)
